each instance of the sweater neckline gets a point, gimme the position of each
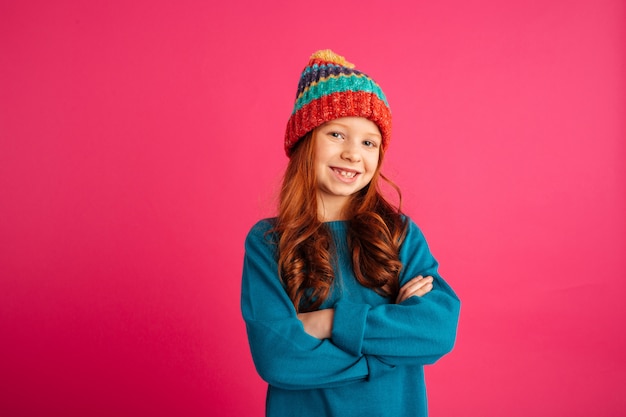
(337, 225)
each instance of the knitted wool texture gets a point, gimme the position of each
(331, 88)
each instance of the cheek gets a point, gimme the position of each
(372, 163)
(318, 167)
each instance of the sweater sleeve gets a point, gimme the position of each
(419, 330)
(285, 356)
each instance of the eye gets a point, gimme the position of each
(337, 135)
(369, 143)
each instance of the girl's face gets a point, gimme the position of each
(347, 152)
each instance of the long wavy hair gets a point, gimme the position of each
(306, 252)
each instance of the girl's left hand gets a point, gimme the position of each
(318, 323)
(418, 286)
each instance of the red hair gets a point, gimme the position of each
(305, 247)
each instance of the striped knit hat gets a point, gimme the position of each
(331, 88)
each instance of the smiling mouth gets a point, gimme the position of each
(346, 174)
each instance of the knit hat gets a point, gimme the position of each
(331, 88)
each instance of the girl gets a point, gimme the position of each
(341, 296)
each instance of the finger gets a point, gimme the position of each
(422, 289)
(406, 287)
(417, 293)
(418, 288)
(410, 287)
(416, 283)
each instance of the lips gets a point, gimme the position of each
(345, 174)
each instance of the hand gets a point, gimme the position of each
(417, 286)
(318, 323)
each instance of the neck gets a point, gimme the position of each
(329, 210)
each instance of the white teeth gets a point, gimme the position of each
(347, 174)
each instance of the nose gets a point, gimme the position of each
(351, 152)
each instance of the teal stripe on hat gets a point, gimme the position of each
(338, 84)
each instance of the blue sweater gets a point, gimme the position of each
(373, 364)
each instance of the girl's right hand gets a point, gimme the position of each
(418, 286)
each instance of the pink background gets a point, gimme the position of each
(139, 141)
